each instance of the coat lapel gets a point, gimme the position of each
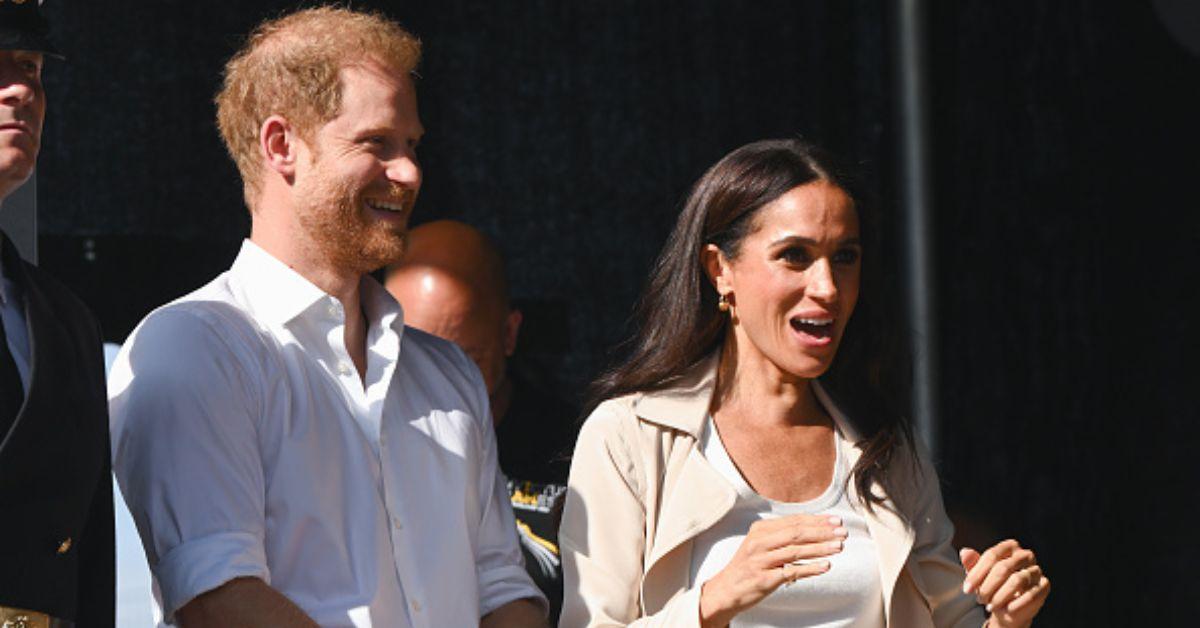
(697, 496)
(699, 499)
(14, 269)
(48, 341)
(893, 536)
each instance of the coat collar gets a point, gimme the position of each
(685, 405)
(50, 342)
(702, 496)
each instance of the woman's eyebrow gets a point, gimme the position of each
(796, 239)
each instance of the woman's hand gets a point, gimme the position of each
(1008, 581)
(766, 559)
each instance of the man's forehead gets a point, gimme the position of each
(377, 69)
(374, 99)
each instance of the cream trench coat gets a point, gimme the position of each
(639, 492)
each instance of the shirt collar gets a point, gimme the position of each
(380, 306)
(279, 295)
(276, 293)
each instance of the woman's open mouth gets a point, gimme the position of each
(813, 331)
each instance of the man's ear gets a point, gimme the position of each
(278, 146)
(717, 268)
(512, 327)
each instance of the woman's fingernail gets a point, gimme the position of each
(835, 545)
(966, 587)
(840, 532)
(989, 608)
(835, 521)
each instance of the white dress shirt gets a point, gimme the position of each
(247, 445)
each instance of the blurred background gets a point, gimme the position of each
(1063, 240)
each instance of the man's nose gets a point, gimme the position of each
(15, 90)
(405, 170)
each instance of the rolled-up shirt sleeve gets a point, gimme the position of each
(186, 454)
(498, 562)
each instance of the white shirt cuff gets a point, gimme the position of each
(502, 585)
(203, 564)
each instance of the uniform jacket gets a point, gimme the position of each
(640, 491)
(56, 530)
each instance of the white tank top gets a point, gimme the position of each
(849, 594)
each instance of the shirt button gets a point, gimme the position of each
(396, 522)
(343, 368)
(416, 606)
(335, 310)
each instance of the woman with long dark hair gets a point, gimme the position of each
(717, 481)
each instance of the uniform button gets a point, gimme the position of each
(64, 546)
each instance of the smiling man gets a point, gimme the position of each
(292, 454)
(56, 535)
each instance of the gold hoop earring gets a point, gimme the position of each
(722, 303)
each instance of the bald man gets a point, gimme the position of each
(451, 284)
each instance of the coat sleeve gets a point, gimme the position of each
(603, 533)
(933, 562)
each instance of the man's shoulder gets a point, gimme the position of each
(209, 319)
(200, 344)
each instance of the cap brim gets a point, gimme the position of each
(24, 40)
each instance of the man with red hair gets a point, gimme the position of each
(292, 453)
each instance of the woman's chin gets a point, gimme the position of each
(802, 367)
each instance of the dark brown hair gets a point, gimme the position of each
(679, 325)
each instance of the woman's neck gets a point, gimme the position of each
(752, 388)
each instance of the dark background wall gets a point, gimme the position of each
(1066, 222)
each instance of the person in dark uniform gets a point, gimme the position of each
(56, 533)
(451, 284)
